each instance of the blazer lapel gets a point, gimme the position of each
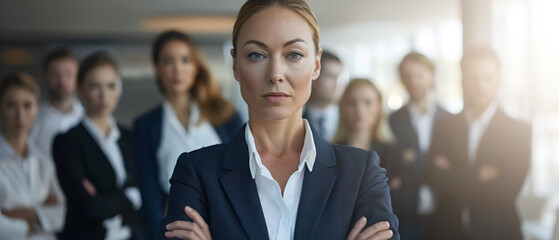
(317, 186)
(241, 189)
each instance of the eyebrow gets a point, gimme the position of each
(261, 44)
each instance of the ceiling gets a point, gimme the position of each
(113, 20)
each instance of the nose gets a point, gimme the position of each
(277, 70)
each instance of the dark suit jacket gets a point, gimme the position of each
(147, 129)
(77, 157)
(506, 145)
(405, 199)
(345, 184)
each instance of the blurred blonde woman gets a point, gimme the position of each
(362, 121)
(31, 202)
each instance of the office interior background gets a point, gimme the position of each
(370, 36)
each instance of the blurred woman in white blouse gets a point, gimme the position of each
(31, 202)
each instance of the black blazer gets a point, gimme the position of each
(345, 184)
(405, 199)
(506, 144)
(147, 129)
(77, 157)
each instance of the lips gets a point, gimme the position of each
(275, 97)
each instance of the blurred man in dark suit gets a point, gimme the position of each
(413, 201)
(322, 110)
(479, 159)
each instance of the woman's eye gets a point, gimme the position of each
(185, 59)
(255, 56)
(295, 56)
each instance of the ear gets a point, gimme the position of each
(235, 71)
(316, 70)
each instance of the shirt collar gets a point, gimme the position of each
(307, 157)
(97, 133)
(431, 107)
(316, 112)
(485, 116)
(193, 119)
(77, 109)
(7, 152)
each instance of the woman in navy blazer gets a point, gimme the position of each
(277, 179)
(191, 97)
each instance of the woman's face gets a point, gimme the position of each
(362, 109)
(18, 109)
(417, 79)
(176, 68)
(101, 91)
(275, 63)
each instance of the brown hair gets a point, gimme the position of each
(96, 59)
(56, 54)
(251, 7)
(418, 58)
(380, 131)
(205, 90)
(22, 80)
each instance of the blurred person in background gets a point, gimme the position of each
(32, 205)
(479, 159)
(414, 202)
(95, 160)
(322, 109)
(62, 110)
(363, 123)
(192, 115)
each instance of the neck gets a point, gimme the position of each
(103, 122)
(179, 102)
(17, 140)
(278, 137)
(422, 104)
(476, 111)
(318, 104)
(63, 105)
(360, 139)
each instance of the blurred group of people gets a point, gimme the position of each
(452, 176)
(68, 170)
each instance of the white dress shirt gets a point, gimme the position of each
(51, 122)
(27, 182)
(477, 128)
(175, 139)
(109, 146)
(422, 123)
(328, 117)
(280, 212)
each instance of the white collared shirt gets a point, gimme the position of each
(477, 128)
(111, 149)
(423, 123)
(26, 182)
(280, 212)
(175, 139)
(328, 116)
(51, 122)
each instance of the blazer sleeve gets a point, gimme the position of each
(373, 200)
(186, 190)
(72, 172)
(512, 170)
(153, 197)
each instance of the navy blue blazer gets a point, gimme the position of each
(345, 184)
(147, 130)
